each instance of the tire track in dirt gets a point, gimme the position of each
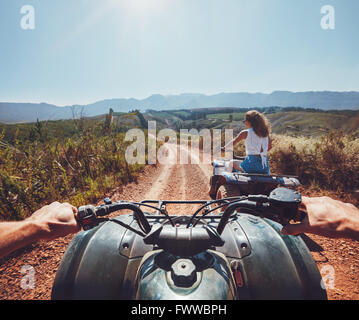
(205, 168)
(185, 182)
(198, 159)
(160, 184)
(175, 190)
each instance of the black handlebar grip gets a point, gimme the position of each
(88, 215)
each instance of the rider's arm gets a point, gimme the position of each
(242, 136)
(50, 222)
(327, 217)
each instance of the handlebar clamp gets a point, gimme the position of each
(87, 217)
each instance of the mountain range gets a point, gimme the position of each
(327, 100)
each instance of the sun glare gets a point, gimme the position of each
(140, 6)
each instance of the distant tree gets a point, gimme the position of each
(40, 129)
(78, 119)
(142, 119)
(108, 122)
(33, 135)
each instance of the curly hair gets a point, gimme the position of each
(259, 123)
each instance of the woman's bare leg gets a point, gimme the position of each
(235, 165)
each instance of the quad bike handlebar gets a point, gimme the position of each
(88, 216)
(284, 203)
(177, 239)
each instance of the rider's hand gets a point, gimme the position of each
(227, 149)
(56, 220)
(327, 217)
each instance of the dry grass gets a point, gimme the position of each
(330, 162)
(79, 170)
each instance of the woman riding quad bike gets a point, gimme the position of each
(250, 174)
(225, 183)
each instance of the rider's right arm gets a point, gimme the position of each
(242, 136)
(327, 217)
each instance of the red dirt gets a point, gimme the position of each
(168, 182)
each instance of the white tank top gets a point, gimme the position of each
(256, 145)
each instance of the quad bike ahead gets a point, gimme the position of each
(225, 183)
(209, 255)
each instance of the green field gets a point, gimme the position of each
(239, 116)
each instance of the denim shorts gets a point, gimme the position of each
(253, 164)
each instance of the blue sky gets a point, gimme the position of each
(86, 50)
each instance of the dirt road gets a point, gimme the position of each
(169, 182)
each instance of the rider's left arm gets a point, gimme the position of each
(50, 222)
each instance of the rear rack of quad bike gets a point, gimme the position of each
(266, 175)
(274, 176)
(257, 177)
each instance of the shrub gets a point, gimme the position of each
(331, 162)
(78, 169)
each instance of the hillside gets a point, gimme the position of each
(326, 100)
(289, 121)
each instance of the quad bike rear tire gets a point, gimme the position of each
(227, 191)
